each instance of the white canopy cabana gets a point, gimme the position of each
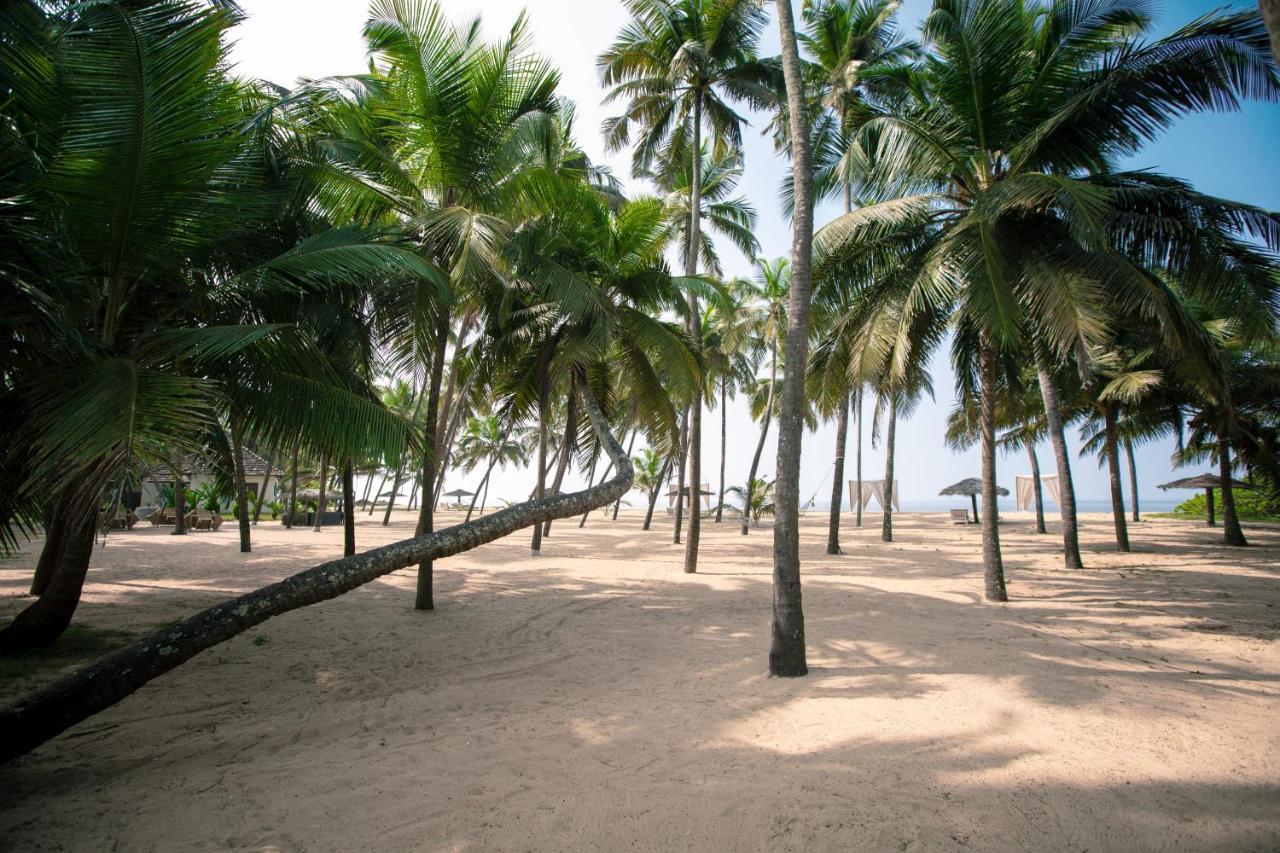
(874, 489)
(705, 492)
(1024, 489)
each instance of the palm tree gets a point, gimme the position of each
(726, 363)
(651, 472)
(675, 64)
(761, 492)
(1018, 228)
(489, 438)
(765, 302)
(786, 650)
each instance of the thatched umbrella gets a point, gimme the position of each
(972, 487)
(1208, 482)
(459, 494)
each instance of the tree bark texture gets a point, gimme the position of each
(1109, 416)
(891, 430)
(1062, 458)
(242, 488)
(992, 562)
(837, 484)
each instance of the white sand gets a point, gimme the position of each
(598, 698)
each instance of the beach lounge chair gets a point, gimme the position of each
(959, 516)
(206, 520)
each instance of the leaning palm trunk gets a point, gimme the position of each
(764, 434)
(653, 495)
(78, 696)
(1133, 476)
(400, 469)
(242, 488)
(424, 595)
(324, 486)
(992, 563)
(381, 483)
(348, 510)
(56, 530)
(786, 647)
(1057, 437)
(1035, 485)
(1113, 472)
(448, 412)
(724, 435)
(266, 482)
(837, 483)
(630, 444)
(886, 524)
(48, 616)
(1231, 532)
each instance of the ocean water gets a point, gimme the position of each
(939, 504)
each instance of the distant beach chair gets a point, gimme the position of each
(205, 520)
(959, 516)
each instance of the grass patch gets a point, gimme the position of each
(1251, 505)
(78, 644)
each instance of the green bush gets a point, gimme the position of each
(1251, 505)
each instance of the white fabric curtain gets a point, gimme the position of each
(875, 489)
(1024, 489)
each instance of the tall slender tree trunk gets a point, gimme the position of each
(401, 467)
(348, 510)
(1232, 534)
(1133, 477)
(653, 495)
(293, 488)
(368, 485)
(44, 620)
(242, 488)
(566, 448)
(886, 522)
(324, 496)
(1062, 458)
(1036, 487)
(424, 598)
(764, 434)
(857, 459)
(724, 439)
(837, 481)
(484, 483)
(992, 563)
(544, 392)
(682, 451)
(444, 437)
(266, 481)
(1208, 509)
(694, 446)
(786, 648)
(1113, 471)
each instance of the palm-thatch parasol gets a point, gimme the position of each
(972, 487)
(459, 493)
(1208, 482)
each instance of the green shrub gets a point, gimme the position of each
(1251, 505)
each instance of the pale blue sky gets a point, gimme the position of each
(1229, 155)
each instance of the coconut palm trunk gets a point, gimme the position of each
(1109, 417)
(348, 509)
(424, 598)
(694, 446)
(653, 494)
(1232, 534)
(1062, 458)
(566, 449)
(630, 445)
(764, 434)
(266, 482)
(56, 531)
(786, 648)
(1133, 476)
(448, 413)
(293, 487)
(544, 392)
(992, 563)
(891, 429)
(386, 472)
(324, 484)
(682, 452)
(724, 439)
(242, 488)
(484, 482)
(400, 469)
(837, 483)
(1036, 487)
(857, 459)
(179, 505)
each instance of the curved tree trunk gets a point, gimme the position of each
(266, 481)
(764, 434)
(786, 647)
(682, 451)
(857, 459)
(724, 437)
(653, 495)
(1232, 534)
(1113, 474)
(56, 530)
(1058, 439)
(1037, 489)
(891, 430)
(348, 510)
(424, 596)
(242, 488)
(837, 485)
(630, 444)
(1133, 477)
(78, 696)
(992, 563)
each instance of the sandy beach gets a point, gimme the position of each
(597, 698)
